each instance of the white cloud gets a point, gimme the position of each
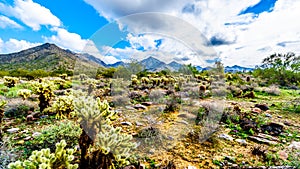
(5, 22)
(91, 49)
(246, 39)
(14, 45)
(66, 39)
(30, 13)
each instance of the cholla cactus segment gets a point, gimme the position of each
(92, 112)
(64, 106)
(24, 93)
(110, 140)
(10, 81)
(44, 159)
(44, 88)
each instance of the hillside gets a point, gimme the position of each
(47, 57)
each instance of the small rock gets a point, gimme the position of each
(191, 167)
(140, 107)
(151, 151)
(183, 122)
(263, 107)
(129, 107)
(127, 123)
(13, 130)
(226, 137)
(268, 115)
(30, 118)
(229, 159)
(27, 138)
(129, 167)
(241, 141)
(36, 134)
(170, 137)
(295, 145)
(138, 123)
(44, 116)
(268, 137)
(279, 117)
(262, 140)
(182, 115)
(256, 110)
(283, 155)
(147, 103)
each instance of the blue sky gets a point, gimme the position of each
(188, 31)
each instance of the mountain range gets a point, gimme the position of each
(50, 57)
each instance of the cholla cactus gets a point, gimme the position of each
(63, 107)
(2, 105)
(63, 76)
(10, 81)
(24, 93)
(44, 159)
(111, 143)
(91, 85)
(45, 92)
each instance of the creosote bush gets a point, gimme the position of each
(61, 159)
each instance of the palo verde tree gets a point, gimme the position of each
(283, 69)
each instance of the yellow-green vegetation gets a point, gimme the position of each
(10, 81)
(24, 93)
(63, 107)
(44, 159)
(45, 92)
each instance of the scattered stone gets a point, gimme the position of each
(140, 107)
(129, 107)
(129, 167)
(182, 115)
(138, 123)
(191, 167)
(226, 137)
(263, 107)
(268, 137)
(30, 118)
(127, 123)
(36, 134)
(27, 138)
(147, 103)
(13, 130)
(268, 115)
(295, 145)
(229, 159)
(170, 137)
(283, 155)
(273, 128)
(241, 141)
(151, 151)
(183, 122)
(44, 116)
(279, 117)
(262, 140)
(256, 110)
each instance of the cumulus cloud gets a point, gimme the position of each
(14, 45)
(66, 39)
(243, 39)
(6, 22)
(30, 13)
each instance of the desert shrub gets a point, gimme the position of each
(172, 103)
(272, 90)
(156, 96)
(121, 100)
(18, 109)
(61, 158)
(66, 130)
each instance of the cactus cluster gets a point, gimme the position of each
(10, 81)
(63, 107)
(24, 93)
(44, 159)
(102, 146)
(45, 92)
(2, 105)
